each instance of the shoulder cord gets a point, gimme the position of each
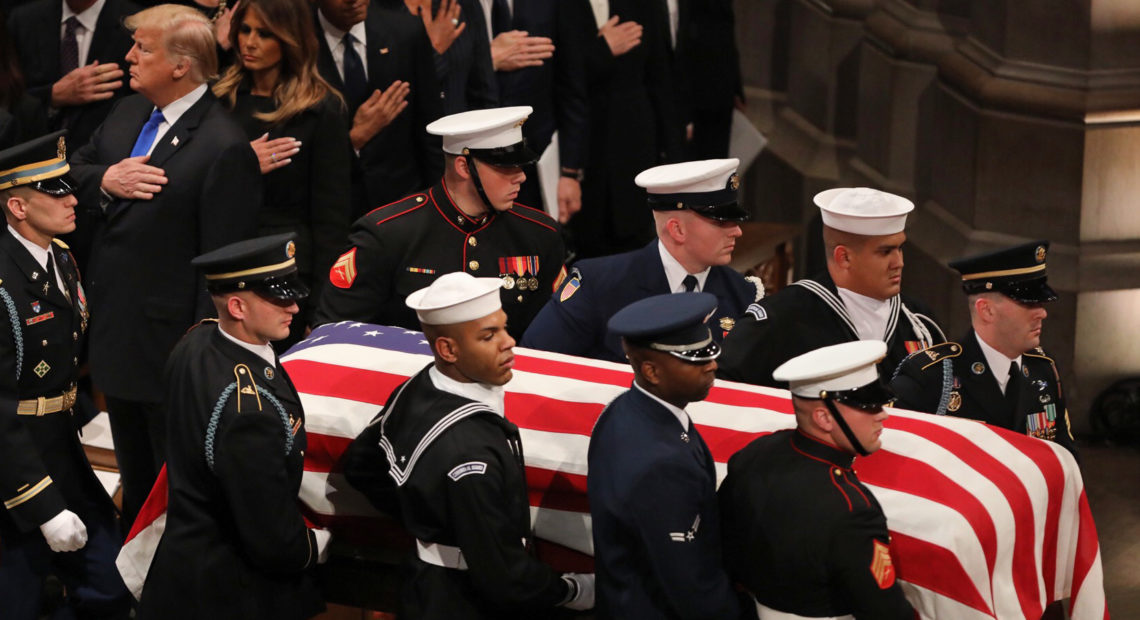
(17, 334)
(216, 416)
(920, 329)
(947, 386)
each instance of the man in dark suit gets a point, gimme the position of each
(857, 298)
(652, 483)
(698, 222)
(71, 53)
(387, 75)
(997, 372)
(235, 543)
(537, 48)
(171, 176)
(57, 518)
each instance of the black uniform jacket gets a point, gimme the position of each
(144, 291)
(235, 544)
(42, 466)
(403, 247)
(805, 316)
(954, 378)
(657, 541)
(804, 535)
(574, 320)
(403, 157)
(457, 469)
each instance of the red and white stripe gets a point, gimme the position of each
(985, 523)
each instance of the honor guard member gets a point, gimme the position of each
(801, 532)
(236, 545)
(857, 298)
(698, 221)
(651, 481)
(57, 518)
(997, 372)
(468, 222)
(442, 456)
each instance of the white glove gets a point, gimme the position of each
(322, 537)
(65, 532)
(582, 591)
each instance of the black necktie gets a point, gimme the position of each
(355, 80)
(690, 283)
(500, 17)
(1013, 389)
(50, 268)
(69, 47)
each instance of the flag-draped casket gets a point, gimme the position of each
(985, 523)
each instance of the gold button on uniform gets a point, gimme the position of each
(472, 242)
(473, 265)
(45, 343)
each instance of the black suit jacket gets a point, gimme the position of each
(706, 60)
(35, 28)
(403, 158)
(557, 89)
(143, 290)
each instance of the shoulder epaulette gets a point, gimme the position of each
(60, 244)
(1038, 352)
(413, 202)
(248, 398)
(199, 324)
(936, 353)
(533, 216)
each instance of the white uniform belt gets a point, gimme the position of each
(767, 613)
(441, 555)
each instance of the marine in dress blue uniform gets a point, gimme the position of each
(858, 297)
(235, 544)
(456, 225)
(57, 518)
(651, 481)
(801, 532)
(697, 216)
(997, 371)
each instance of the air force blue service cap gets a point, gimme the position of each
(707, 187)
(492, 136)
(265, 265)
(1017, 272)
(843, 372)
(40, 164)
(674, 324)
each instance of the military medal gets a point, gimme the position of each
(727, 323)
(955, 402)
(508, 281)
(533, 283)
(518, 268)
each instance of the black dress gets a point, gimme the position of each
(311, 196)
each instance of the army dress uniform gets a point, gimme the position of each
(808, 315)
(235, 544)
(955, 379)
(43, 469)
(804, 535)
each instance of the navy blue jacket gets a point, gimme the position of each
(574, 320)
(657, 541)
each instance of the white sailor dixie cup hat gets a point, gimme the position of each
(456, 297)
(493, 136)
(863, 210)
(844, 372)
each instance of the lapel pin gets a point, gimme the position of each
(174, 141)
(383, 50)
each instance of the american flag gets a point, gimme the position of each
(985, 523)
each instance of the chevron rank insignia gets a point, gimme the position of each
(881, 567)
(343, 271)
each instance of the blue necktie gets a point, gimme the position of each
(355, 81)
(149, 131)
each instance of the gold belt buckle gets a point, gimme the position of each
(41, 406)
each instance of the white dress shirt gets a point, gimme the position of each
(335, 38)
(998, 362)
(86, 31)
(674, 20)
(869, 315)
(41, 256)
(264, 351)
(675, 273)
(490, 395)
(601, 10)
